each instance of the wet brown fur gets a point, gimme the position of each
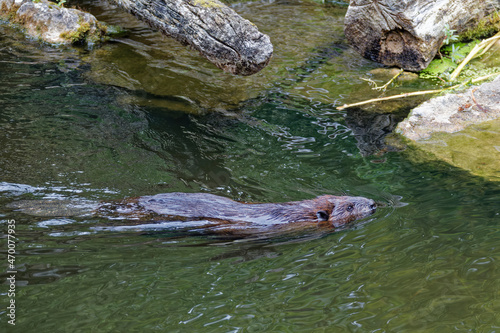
(226, 216)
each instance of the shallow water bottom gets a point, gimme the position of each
(476, 149)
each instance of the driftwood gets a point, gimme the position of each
(232, 43)
(408, 33)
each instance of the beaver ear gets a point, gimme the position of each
(322, 215)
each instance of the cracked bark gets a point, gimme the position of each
(230, 42)
(408, 33)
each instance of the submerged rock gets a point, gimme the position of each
(462, 129)
(475, 149)
(53, 24)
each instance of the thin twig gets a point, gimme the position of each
(384, 87)
(389, 82)
(416, 93)
(370, 82)
(477, 104)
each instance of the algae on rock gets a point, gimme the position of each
(475, 149)
(54, 24)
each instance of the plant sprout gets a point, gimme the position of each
(449, 34)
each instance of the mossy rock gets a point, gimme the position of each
(486, 28)
(53, 24)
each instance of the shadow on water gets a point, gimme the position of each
(371, 129)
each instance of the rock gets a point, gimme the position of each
(453, 112)
(8, 8)
(461, 129)
(408, 33)
(475, 149)
(230, 42)
(53, 24)
(227, 40)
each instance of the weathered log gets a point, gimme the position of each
(408, 33)
(222, 36)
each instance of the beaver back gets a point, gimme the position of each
(336, 210)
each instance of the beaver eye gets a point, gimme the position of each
(350, 208)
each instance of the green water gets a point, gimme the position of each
(144, 115)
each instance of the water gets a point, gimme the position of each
(91, 126)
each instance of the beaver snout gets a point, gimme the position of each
(370, 207)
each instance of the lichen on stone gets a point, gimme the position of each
(8, 9)
(54, 24)
(207, 3)
(85, 34)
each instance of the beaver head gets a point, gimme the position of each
(342, 210)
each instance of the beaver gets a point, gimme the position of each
(225, 215)
(211, 213)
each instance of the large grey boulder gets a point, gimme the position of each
(462, 129)
(408, 33)
(453, 112)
